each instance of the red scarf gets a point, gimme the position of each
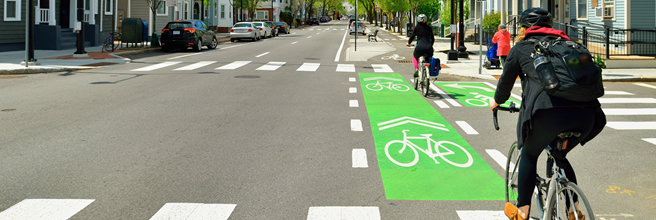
(539, 30)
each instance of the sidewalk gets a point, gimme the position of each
(63, 60)
(469, 67)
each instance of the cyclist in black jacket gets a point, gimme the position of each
(425, 41)
(542, 117)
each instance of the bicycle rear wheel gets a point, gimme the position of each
(425, 82)
(569, 193)
(511, 173)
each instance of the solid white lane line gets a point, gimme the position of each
(309, 36)
(441, 104)
(354, 103)
(51, 209)
(650, 140)
(262, 54)
(356, 125)
(345, 68)
(499, 158)
(645, 85)
(196, 65)
(626, 100)
(233, 65)
(445, 96)
(359, 158)
(351, 79)
(353, 90)
(194, 211)
(157, 66)
(617, 93)
(511, 94)
(629, 111)
(481, 214)
(466, 127)
(343, 213)
(271, 66)
(294, 42)
(339, 51)
(632, 125)
(187, 55)
(382, 68)
(309, 67)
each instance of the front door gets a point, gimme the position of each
(196, 11)
(65, 14)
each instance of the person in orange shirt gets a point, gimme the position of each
(502, 39)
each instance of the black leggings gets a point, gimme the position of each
(546, 125)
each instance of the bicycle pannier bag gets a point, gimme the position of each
(566, 69)
(434, 66)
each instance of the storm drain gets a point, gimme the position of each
(247, 77)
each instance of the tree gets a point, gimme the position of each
(154, 5)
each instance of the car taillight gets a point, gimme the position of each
(282, 26)
(250, 30)
(165, 30)
(261, 29)
(363, 26)
(191, 30)
(232, 30)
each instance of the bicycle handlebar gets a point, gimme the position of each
(510, 109)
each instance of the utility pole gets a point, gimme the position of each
(453, 55)
(462, 50)
(480, 42)
(355, 25)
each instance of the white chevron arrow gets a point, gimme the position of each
(380, 77)
(406, 119)
(455, 85)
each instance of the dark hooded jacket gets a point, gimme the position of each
(519, 63)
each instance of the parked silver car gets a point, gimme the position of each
(265, 29)
(357, 28)
(244, 30)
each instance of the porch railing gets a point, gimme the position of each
(42, 15)
(611, 41)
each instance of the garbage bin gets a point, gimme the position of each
(408, 29)
(441, 29)
(132, 31)
(144, 32)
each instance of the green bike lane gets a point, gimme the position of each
(420, 155)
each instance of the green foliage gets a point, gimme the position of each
(492, 20)
(445, 12)
(286, 16)
(430, 8)
(600, 62)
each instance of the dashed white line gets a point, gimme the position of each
(356, 125)
(481, 214)
(353, 90)
(156, 66)
(359, 158)
(343, 212)
(499, 158)
(511, 94)
(441, 104)
(294, 42)
(354, 103)
(262, 54)
(351, 79)
(466, 127)
(186, 55)
(345, 68)
(196, 65)
(445, 96)
(309, 67)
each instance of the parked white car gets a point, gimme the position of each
(265, 29)
(244, 30)
(357, 28)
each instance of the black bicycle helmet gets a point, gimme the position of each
(535, 16)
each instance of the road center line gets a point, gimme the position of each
(262, 54)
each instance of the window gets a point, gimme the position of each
(108, 7)
(186, 11)
(12, 10)
(582, 9)
(162, 9)
(222, 11)
(262, 15)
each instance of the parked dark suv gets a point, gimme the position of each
(314, 21)
(184, 34)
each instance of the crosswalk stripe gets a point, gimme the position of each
(271, 66)
(309, 67)
(196, 65)
(481, 214)
(233, 65)
(50, 209)
(194, 211)
(157, 66)
(632, 125)
(382, 68)
(359, 158)
(345, 68)
(650, 140)
(630, 111)
(617, 93)
(344, 212)
(645, 85)
(626, 100)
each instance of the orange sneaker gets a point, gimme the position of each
(513, 212)
(579, 214)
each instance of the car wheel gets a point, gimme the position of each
(165, 49)
(213, 44)
(199, 44)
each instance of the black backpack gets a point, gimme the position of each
(570, 71)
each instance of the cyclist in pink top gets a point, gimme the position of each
(502, 39)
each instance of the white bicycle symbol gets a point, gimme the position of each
(388, 85)
(479, 100)
(395, 57)
(438, 146)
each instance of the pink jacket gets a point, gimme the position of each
(502, 39)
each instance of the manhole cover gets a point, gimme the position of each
(100, 64)
(8, 110)
(247, 77)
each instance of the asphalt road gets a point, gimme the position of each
(208, 132)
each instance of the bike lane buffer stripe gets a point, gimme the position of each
(403, 125)
(472, 94)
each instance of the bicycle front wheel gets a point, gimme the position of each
(512, 164)
(401, 153)
(561, 207)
